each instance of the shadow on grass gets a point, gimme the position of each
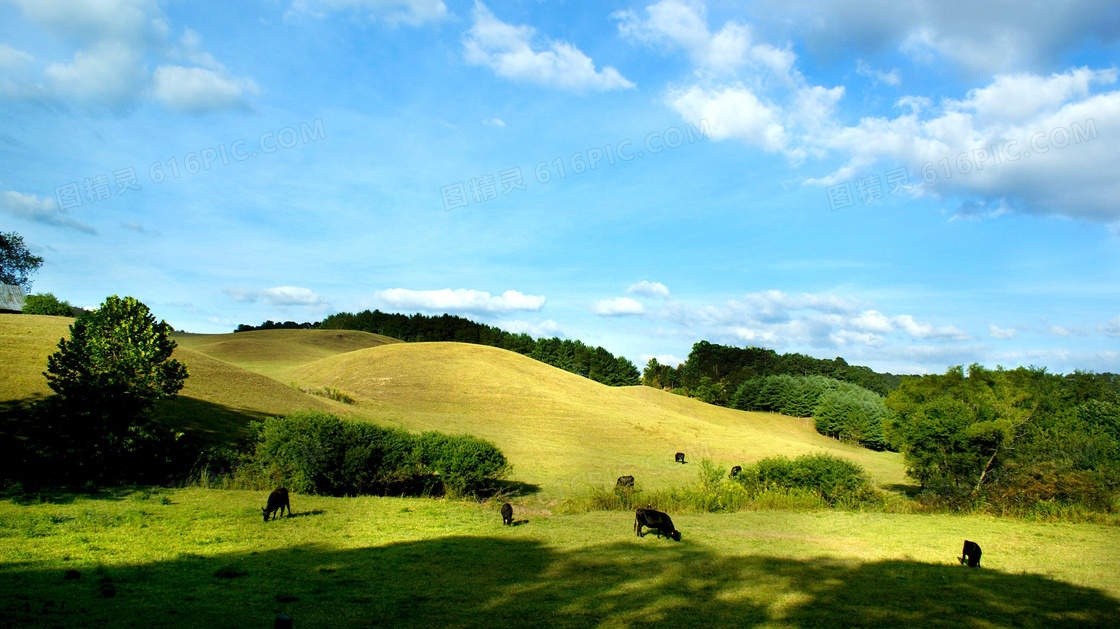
(903, 489)
(507, 581)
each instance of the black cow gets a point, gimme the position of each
(657, 521)
(680, 457)
(735, 471)
(971, 553)
(507, 514)
(277, 501)
(625, 481)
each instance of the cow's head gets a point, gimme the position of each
(265, 509)
(676, 535)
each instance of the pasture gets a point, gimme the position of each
(204, 557)
(197, 557)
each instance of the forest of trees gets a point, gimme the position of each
(595, 363)
(1020, 440)
(713, 373)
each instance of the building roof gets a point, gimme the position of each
(11, 298)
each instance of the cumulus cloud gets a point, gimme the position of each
(619, 306)
(280, 296)
(12, 59)
(997, 332)
(983, 38)
(509, 51)
(39, 210)
(197, 90)
(458, 300)
(649, 289)
(109, 69)
(541, 329)
(411, 12)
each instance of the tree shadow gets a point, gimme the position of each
(492, 581)
(903, 489)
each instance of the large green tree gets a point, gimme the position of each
(106, 377)
(16, 262)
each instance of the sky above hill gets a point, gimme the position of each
(907, 184)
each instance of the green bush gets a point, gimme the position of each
(836, 480)
(47, 304)
(319, 453)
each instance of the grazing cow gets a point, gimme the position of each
(507, 514)
(624, 482)
(657, 521)
(680, 457)
(277, 501)
(735, 471)
(971, 553)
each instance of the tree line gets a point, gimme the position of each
(595, 363)
(714, 373)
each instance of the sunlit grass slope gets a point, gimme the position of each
(562, 431)
(270, 352)
(25, 343)
(204, 558)
(215, 404)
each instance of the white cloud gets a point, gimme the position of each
(12, 59)
(109, 68)
(197, 90)
(734, 112)
(33, 208)
(619, 306)
(108, 73)
(924, 330)
(664, 359)
(541, 329)
(508, 50)
(1110, 327)
(458, 300)
(279, 296)
(1032, 144)
(412, 12)
(997, 332)
(891, 78)
(649, 289)
(983, 38)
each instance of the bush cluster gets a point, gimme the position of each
(836, 480)
(319, 453)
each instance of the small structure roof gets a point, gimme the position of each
(11, 298)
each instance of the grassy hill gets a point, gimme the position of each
(270, 352)
(561, 431)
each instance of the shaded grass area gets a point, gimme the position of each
(205, 558)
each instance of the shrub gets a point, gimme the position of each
(319, 453)
(836, 480)
(47, 304)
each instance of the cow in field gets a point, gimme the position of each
(624, 482)
(680, 457)
(735, 471)
(277, 502)
(657, 521)
(507, 514)
(970, 554)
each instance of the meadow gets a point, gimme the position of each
(200, 557)
(203, 556)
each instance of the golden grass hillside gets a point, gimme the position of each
(270, 352)
(215, 404)
(562, 431)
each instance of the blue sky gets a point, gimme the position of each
(909, 185)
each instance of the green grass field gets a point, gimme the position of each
(204, 558)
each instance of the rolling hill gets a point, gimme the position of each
(561, 431)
